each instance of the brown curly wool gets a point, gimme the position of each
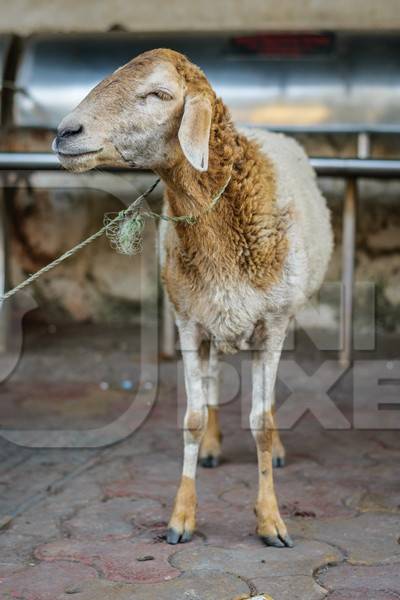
(244, 236)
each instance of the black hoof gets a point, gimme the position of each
(209, 462)
(278, 541)
(186, 537)
(278, 462)
(174, 537)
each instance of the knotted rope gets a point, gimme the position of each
(124, 230)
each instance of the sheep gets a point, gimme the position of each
(258, 250)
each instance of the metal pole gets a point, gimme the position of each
(348, 261)
(349, 250)
(168, 329)
(4, 310)
(363, 145)
(168, 337)
(349, 243)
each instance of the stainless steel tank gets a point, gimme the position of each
(317, 82)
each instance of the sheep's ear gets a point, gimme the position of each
(194, 131)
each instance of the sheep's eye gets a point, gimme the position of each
(161, 94)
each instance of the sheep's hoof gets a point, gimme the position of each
(175, 537)
(278, 541)
(209, 461)
(270, 527)
(278, 462)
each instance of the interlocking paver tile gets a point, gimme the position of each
(90, 523)
(119, 560)
(257, 561)
(362, 595)
(368, 538)
(46, 581)
(298, 498)
(115, 519)
(297, 587)
(17, 548)
(140, 486)
(190, 586)
(225, 525)
(374, 578)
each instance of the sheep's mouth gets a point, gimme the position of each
(79, 154)
(79, 161)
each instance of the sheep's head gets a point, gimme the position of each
(145, 115)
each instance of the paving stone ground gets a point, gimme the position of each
(88, 523)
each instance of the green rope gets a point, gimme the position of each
(119, 217)
(125, 234)
(124, 230)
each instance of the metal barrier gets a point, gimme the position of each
(349, 169)
(325, 167)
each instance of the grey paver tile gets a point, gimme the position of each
(257, 561)
(289, 587)
(45, 581)
(368, 538)
(360, 577)
(191, 586)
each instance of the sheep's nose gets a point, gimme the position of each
(70, 131)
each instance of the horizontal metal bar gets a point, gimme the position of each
(334, 129)
(34, 161)
(29, 161)
(325, 167)
(356, 167)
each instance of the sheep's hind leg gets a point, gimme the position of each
(210, 448)
(183, 520)
(270, 526)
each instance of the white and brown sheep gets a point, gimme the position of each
(238, 275)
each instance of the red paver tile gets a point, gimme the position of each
(120, 560)
(45, 581)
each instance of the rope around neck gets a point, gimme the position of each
(124, 230)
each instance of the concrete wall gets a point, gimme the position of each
(101, 285)
(27, 16)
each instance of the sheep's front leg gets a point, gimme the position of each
(270, 526)
(210, 449)
(183, 519)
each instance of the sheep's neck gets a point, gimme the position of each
(190, 192)
(243, 236)
(233, 159)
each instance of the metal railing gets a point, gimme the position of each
(349, 169)
(325, 167)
